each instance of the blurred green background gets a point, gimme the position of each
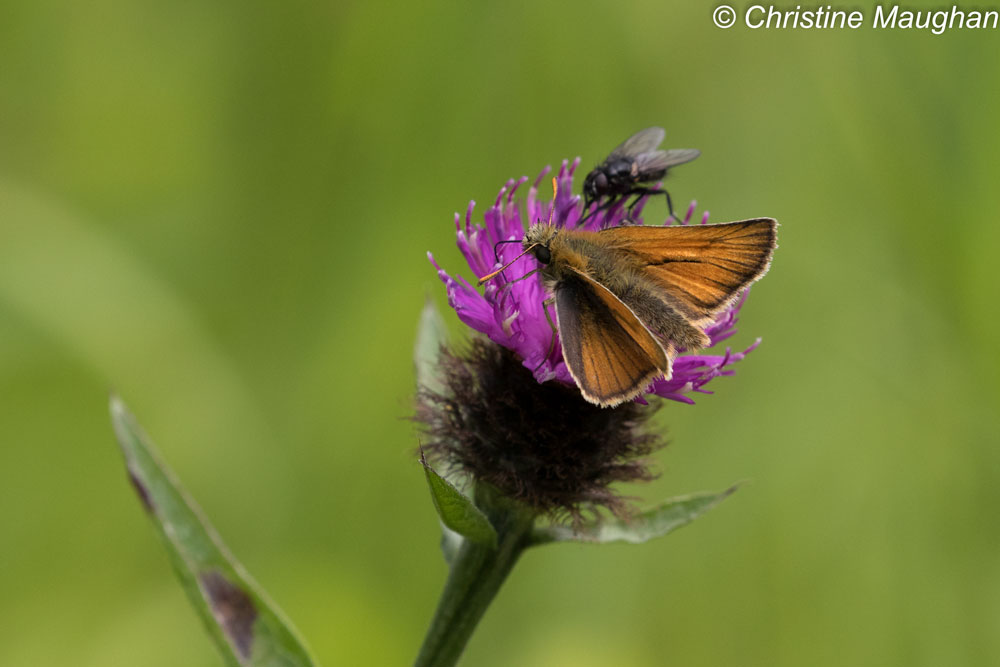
(221, 211)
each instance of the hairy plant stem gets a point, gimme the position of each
(477, 572)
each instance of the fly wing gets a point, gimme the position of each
(608, 351)
(656, 161)
(700, 268)
(642, 141)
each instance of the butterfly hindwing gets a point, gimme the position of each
(608, 351)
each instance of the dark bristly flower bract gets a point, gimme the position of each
(509, 413)
(540, 444)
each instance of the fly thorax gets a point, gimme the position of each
(619, 171)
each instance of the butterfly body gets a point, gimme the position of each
(627, 298)
(596, 256)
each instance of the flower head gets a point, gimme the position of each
(511, 308)
(539, 444)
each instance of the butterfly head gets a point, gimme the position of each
(538, 241)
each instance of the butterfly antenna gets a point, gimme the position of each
(490, 276)
(496, 252)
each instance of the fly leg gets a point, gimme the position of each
(608, 203)
(652, 192)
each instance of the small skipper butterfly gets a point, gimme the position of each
(628, 298)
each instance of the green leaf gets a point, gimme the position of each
(247, 627)
(451, 542)
(457, 511)
(665, 518)
(431, 335)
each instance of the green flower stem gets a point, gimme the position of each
(477, 572)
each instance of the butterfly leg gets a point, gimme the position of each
(506, 288)
(526, 275)
(552, 341)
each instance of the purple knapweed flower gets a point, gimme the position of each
(510, 310)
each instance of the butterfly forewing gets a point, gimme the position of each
(608, 351)
(702, 268)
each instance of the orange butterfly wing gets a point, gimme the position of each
(608, 351)
(702, 268)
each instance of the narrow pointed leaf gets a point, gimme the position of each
(457, 511)
(431, 335)
(248, 628)
(665, 518)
